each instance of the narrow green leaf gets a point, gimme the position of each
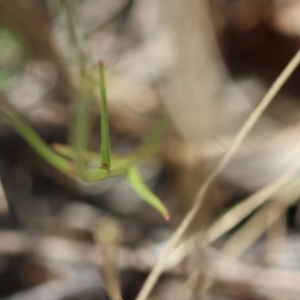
(105, 138)
(136, 182)
(34, 140)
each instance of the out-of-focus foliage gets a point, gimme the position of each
(12, 54)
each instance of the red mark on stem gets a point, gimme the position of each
(105, 166)
(55, 146)
(100, 63)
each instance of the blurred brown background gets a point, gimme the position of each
(206, 64)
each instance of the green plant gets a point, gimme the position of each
(12, 55)
(74, 161)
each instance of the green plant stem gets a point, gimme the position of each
(33, 139)
(72, 24)
(238, 139)
(80, 133)
(105, 138)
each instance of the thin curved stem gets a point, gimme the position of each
(238, 139)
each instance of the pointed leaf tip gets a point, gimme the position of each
(136, 182)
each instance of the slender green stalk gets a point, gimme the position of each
(72, 25)
(80, 130)
(239, 138)
(105, 138)
(34, 140)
